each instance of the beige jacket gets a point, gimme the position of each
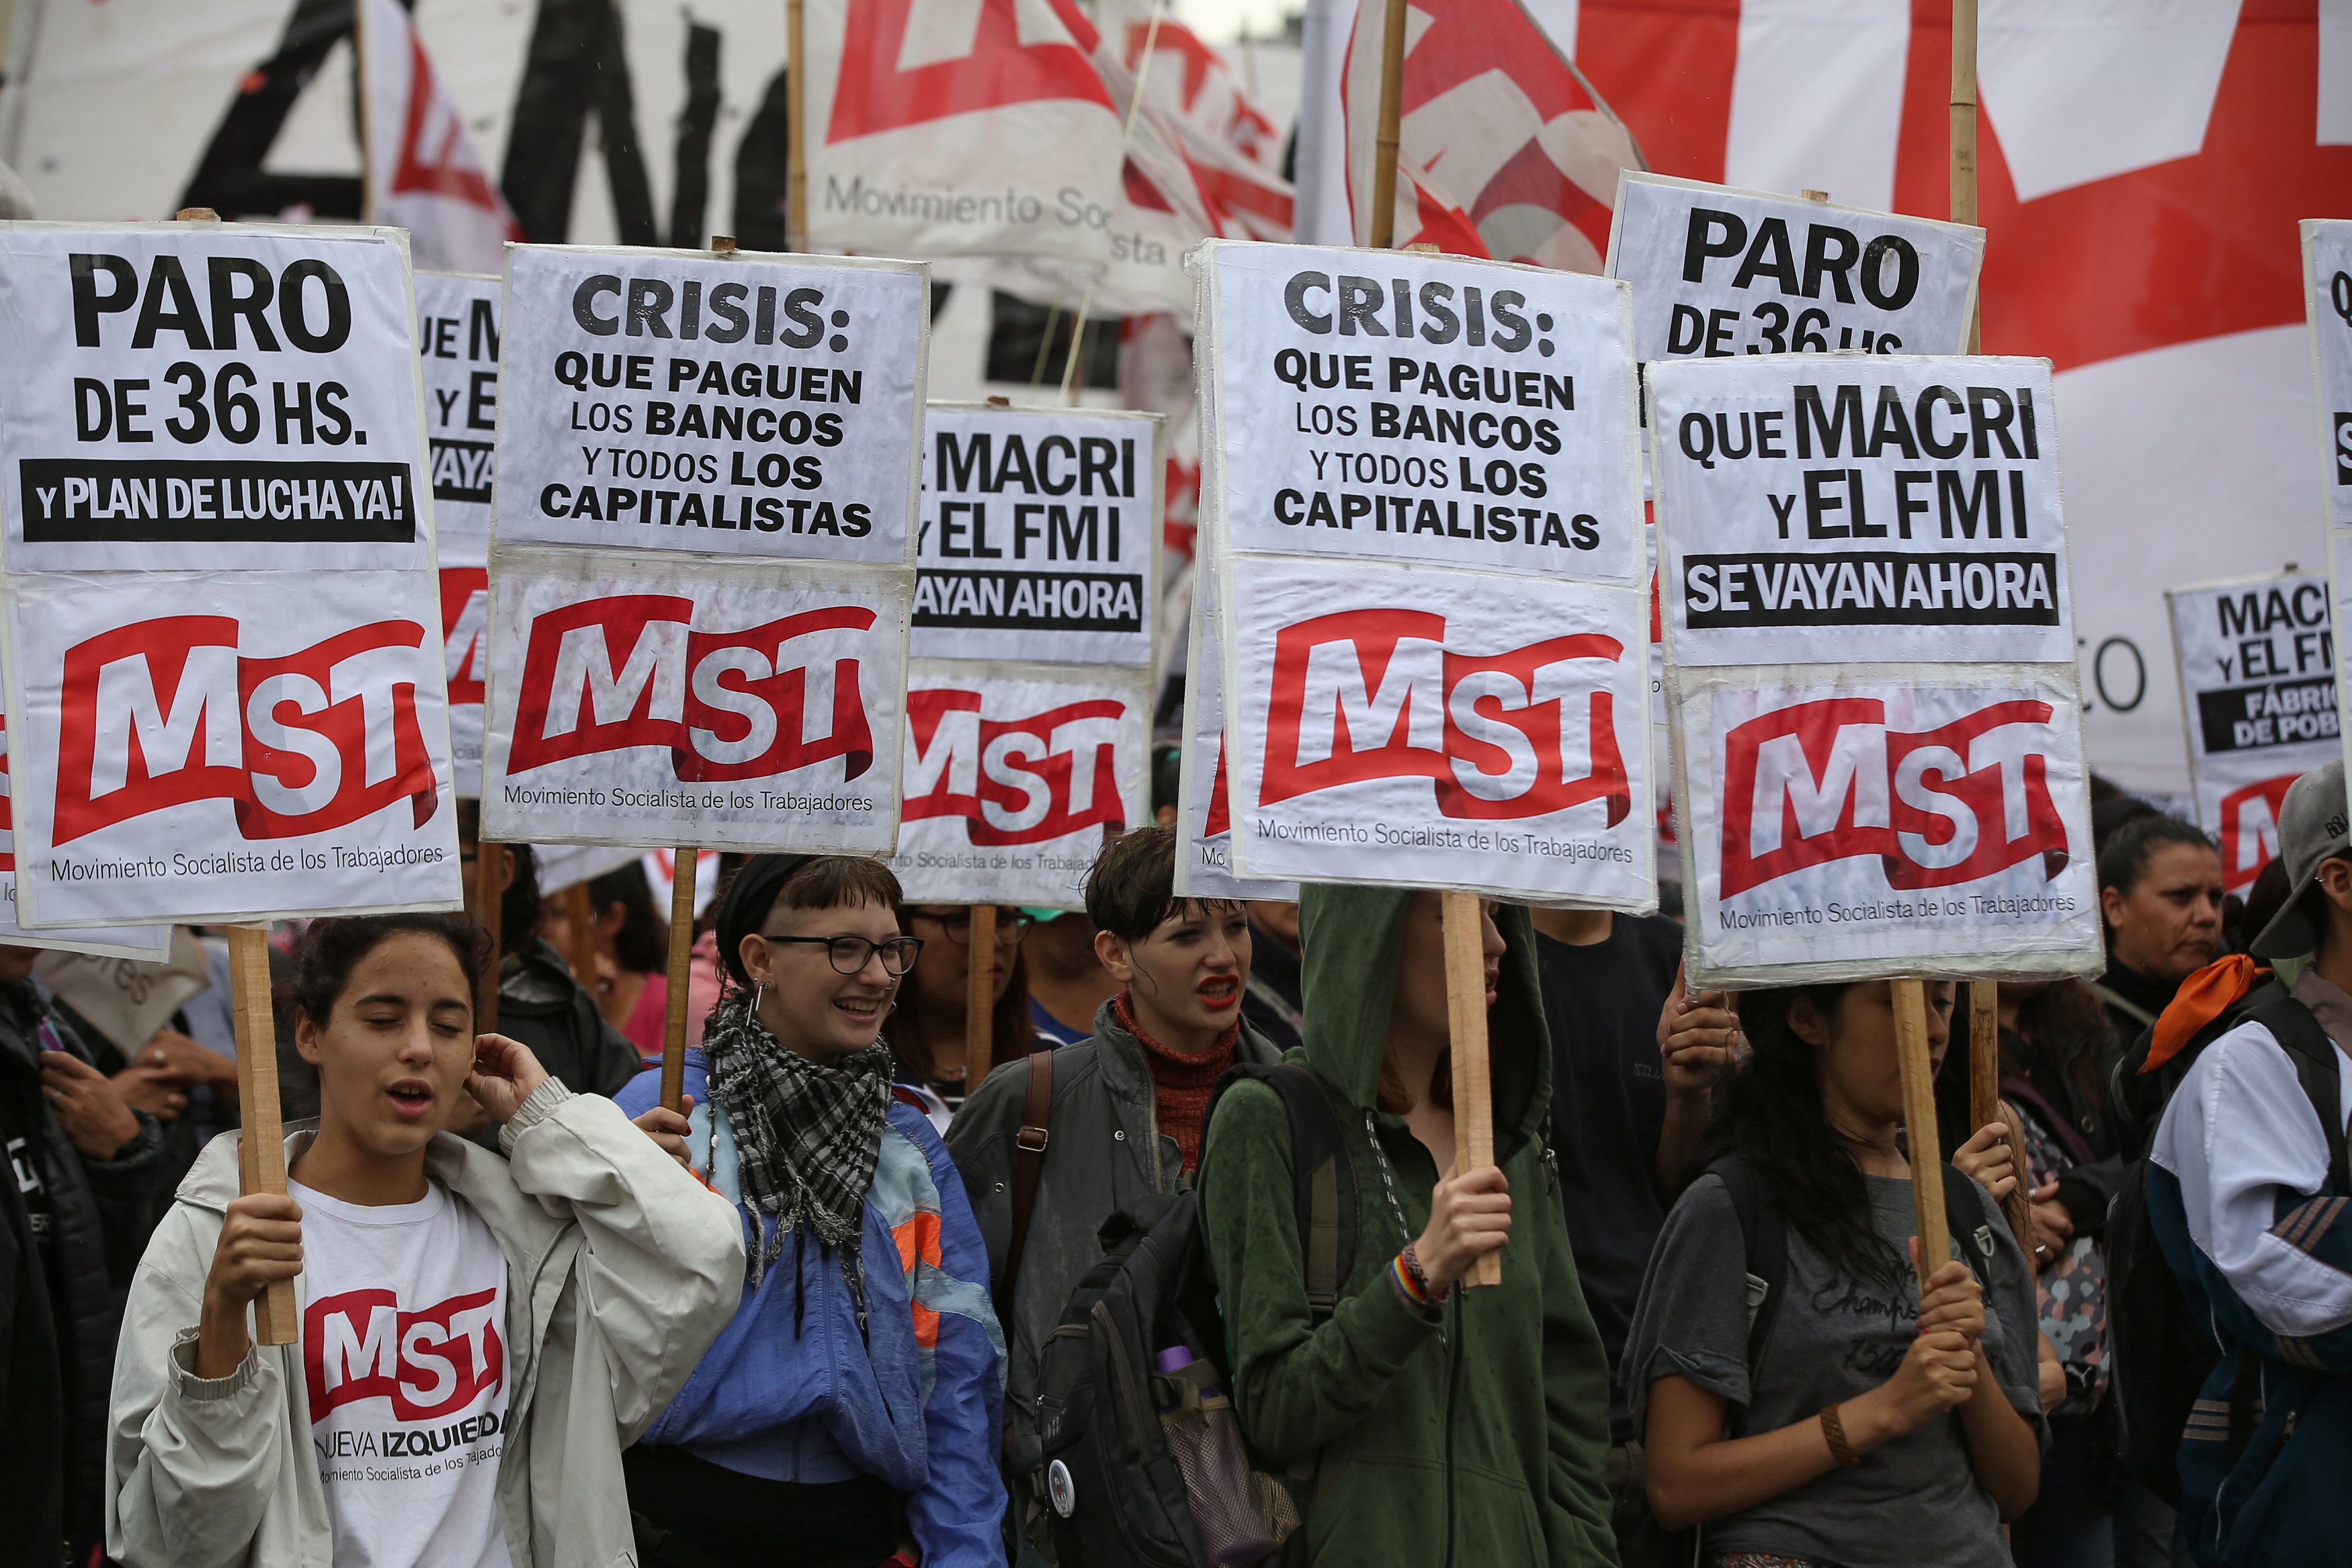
(620, 1270)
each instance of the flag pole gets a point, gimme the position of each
(1964, 128)
(1385, 142)
(362, 49)
(681, 953)
(1126, 138)
(795, 115)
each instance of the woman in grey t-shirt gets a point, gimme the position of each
(1876, 1430)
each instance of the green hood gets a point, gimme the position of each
(1349, 938)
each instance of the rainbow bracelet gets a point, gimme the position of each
(1407, 1279)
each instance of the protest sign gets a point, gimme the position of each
(2257, 663)
(130, 999)
(754, 406)
(560, 867)
(1204, 820)
(2327, 285)
(149, 943)
(1719, 272)
(458, 350)
(1425, 506)
(1039, 539)
(1881, 771)
(223, 649)
(1907, 507)
(640, 699)
(1011, 778)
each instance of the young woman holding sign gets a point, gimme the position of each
(850, 1412)
(1868, 1425)
(450, 1297)
(1446, 1426)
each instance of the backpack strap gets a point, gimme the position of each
(1028, 1164)
(1323, 1175)
(1764, 1237)
(2306, 1045)
(1964, 1219)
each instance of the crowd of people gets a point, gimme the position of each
(825, 1310)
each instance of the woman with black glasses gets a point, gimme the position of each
(849, 1416)
(928, 1031)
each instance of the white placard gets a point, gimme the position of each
(1719, 272)
(559, 866)
(761, 406)
(2327, 285)
(205, 397)
(466, 665)
(1039, 537)
(751, 705)
(458, 352)
(215, 746)
(1204, 823)
(1012, 779)
(148, 944)
(1854, 824)
(2258, 694)
(1422, 727)
(1380, 406)
(1830, 507)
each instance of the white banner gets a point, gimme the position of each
(457, 350)
(1422, 727)
(729, 706)
(1857, 824)
(1379, 406)
(762, 406)
(149, 943)
(2327, 283)
(1040, 536)
(1860, 510)
(1012, 779)
(1719, 272)
(204, 397)
(2258, 690)
(985, 131)
(1204, 823)
(216, 746)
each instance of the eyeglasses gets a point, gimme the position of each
(850, 955)
(1011, 924)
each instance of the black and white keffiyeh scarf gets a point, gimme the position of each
(807, 1135)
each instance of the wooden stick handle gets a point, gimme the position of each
(489, 908)
(1466, 1017)
(681, 952)
(1384, 146)
(1984, 1054)
(261, 1141)
(796, 235)
(979, 997)
(1964, 130)
(580, 911)
(1919, 1124)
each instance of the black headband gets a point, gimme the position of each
(750, 897)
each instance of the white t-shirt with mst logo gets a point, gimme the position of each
(403, 1346)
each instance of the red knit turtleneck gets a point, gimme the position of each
(1181, 1084)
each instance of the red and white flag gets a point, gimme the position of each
(423, 175)
(1232, 141)
(1495, 125)
(941, 128)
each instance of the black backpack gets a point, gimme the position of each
(2159, 1354)
(1115, 1490)
(1764, 1234)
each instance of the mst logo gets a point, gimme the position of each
(1016, 781)
(2249, 829)
(1827, 780)
(163, 712)
(1376, 694)
(429, 1364)
(465, 627)
(606, 675)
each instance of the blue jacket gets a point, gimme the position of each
(793, 1392)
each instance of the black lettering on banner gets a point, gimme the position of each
(462, 470)
(2276, 713)
(1863, 588)
(2343, 448)
(1029, 601)
(83, 500)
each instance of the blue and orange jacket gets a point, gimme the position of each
(793, 1391)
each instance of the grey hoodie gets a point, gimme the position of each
(620, 1270)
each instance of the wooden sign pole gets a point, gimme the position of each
(795, 123)
(261, 1140)
(1919, 1124)
(1984, 1054)
(979, 997)
(1964, 128)
(681, 952)
(489, 909)
(1465, 1018)
(580, 911)
(1387, 134)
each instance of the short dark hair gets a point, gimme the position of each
(2124, 859)
(642, 944)
(328, 951)
(1132, 887)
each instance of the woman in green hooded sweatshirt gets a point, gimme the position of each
(1446, 1426)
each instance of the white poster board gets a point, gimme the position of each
(2257, 670)
(1204, 822)
(224, 644)
(2327, 284)
(148, 944)
(1719, 272)
(457, 352)
(1424, 505)
(1871, 669)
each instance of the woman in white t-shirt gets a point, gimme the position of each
(448, 1298)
